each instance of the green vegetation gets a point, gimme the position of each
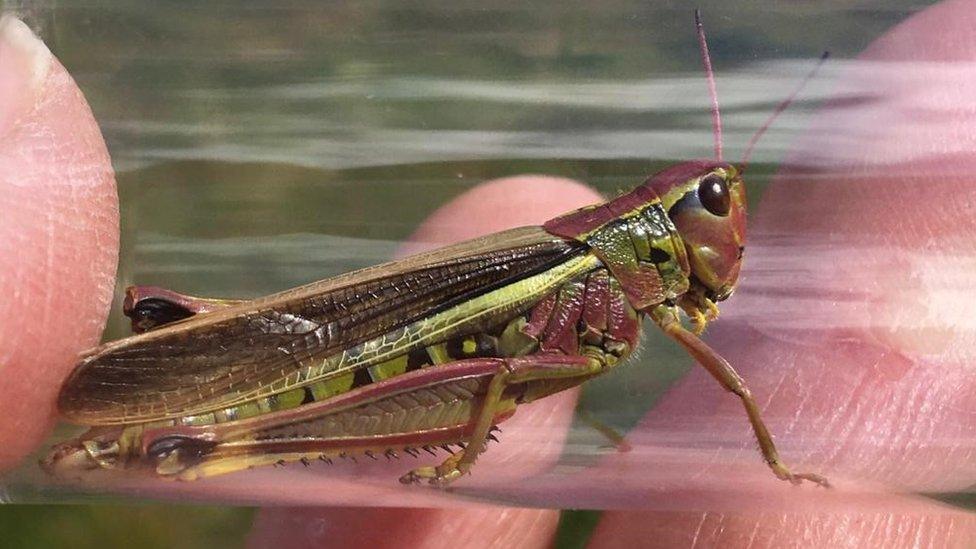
(142, 526)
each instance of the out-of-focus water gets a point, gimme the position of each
(264, 145)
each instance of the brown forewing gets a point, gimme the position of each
(220, 358)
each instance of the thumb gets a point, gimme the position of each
(59, 234)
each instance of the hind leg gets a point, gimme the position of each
(512, 371)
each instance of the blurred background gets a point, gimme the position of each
(262, 145)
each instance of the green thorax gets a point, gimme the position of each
(645, 253)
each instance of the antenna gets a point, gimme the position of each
(712, 91)
(779, 109)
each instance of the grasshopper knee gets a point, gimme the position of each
(173, 454)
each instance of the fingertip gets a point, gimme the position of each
(941, 32)
(885, 228)
(24, 65)
(501, 204)
(493, 206)
(854, 292)
(58, 234)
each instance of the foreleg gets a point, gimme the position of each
(722, 371)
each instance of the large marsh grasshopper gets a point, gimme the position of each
(431, 350)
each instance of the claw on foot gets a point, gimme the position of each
(410, 478)
(783, 473)
(441, 475)
(819, 480)
(431, 475)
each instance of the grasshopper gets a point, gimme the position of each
(432, 350)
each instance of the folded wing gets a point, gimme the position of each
(258, 347)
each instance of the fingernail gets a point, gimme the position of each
(24, 65)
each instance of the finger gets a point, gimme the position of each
(530, 441)
(883, 527)
(856, 335)
(58, 235)
(533, 438)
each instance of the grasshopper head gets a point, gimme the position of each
(706, 201)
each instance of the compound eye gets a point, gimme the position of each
(713, 193)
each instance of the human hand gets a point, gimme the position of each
(853, 326)
(877, 366)
(858, 330)
(59, 235)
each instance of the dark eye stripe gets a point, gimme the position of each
(688, 201)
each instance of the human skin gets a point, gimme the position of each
(885, 392)
(880, 397)
(59, 235)
(863, 368)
